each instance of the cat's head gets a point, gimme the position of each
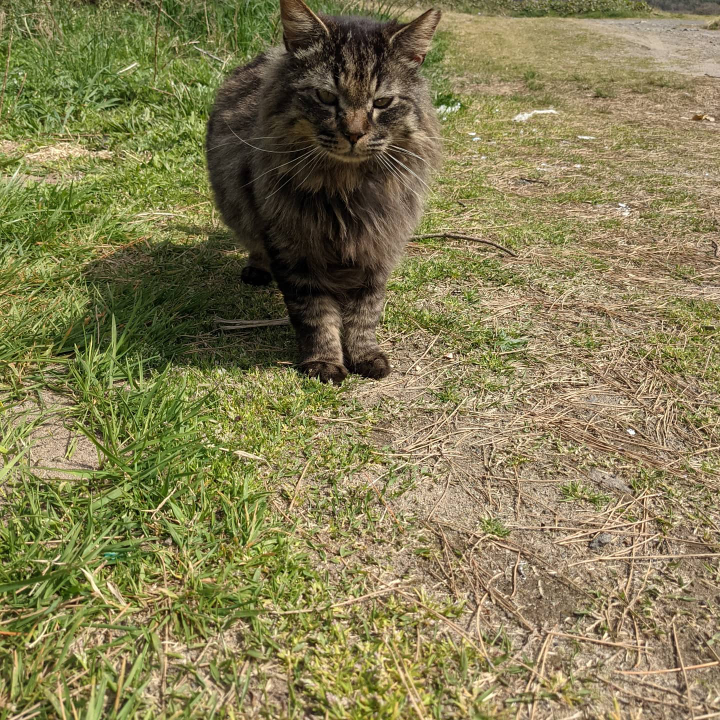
(353, 85)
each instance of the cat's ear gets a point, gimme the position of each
(413, 39)
(301, 26)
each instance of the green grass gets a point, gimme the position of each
(578, 491)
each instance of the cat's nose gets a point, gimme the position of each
(354, 137)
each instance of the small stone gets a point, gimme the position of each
(600, 541)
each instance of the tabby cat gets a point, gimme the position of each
(319, 154)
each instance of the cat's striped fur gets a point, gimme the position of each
(319, 154)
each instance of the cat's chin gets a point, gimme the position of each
(350, 158)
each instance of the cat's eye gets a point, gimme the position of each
(382, 102)
(327, 97)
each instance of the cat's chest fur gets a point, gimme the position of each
(344, 232)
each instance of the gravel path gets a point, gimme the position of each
(684, 46)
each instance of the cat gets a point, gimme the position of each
(319, 155)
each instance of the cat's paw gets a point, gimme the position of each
(252, 275)
(375, 365)
(326, 372)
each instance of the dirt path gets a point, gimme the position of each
(684, 46)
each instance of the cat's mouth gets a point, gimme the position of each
(346, 152)
(352, 155)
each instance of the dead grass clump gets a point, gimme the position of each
(65, 151)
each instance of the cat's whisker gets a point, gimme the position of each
(289, 162)
(320, 157)
(267, 137)
(407, 185)
(311, 159)
(278, 183)
(255, 147)
(395, 172)
(399, 162)
(391, 171)
(383, 172)
(289, 150)
(272, 137)
(398, 172)
(408, 152)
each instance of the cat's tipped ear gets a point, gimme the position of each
(301, 26)
(414, 39)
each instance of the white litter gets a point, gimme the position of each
(444, 110)
(586, 137)
(630, 431)
(577, 166)
(472, 134)
(524, 117)
(477, 139)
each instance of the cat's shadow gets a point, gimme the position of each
(166, 299)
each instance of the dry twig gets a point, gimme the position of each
(684, 672)
(701, 666)
(460, 236)
(5, 74)
(407, 682)
(157, 30)
(223, 324)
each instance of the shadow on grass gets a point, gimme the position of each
(165, 299)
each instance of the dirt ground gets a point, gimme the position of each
(683, 46)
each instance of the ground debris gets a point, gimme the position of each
(600, 541)
(65, 151)
(524, 117)
(700, 117)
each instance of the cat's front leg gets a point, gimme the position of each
(360, 314)
(317, 320)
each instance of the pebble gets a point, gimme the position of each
(600, 541)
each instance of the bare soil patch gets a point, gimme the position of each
(53, 158)
(54, 445)
(8, 147)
